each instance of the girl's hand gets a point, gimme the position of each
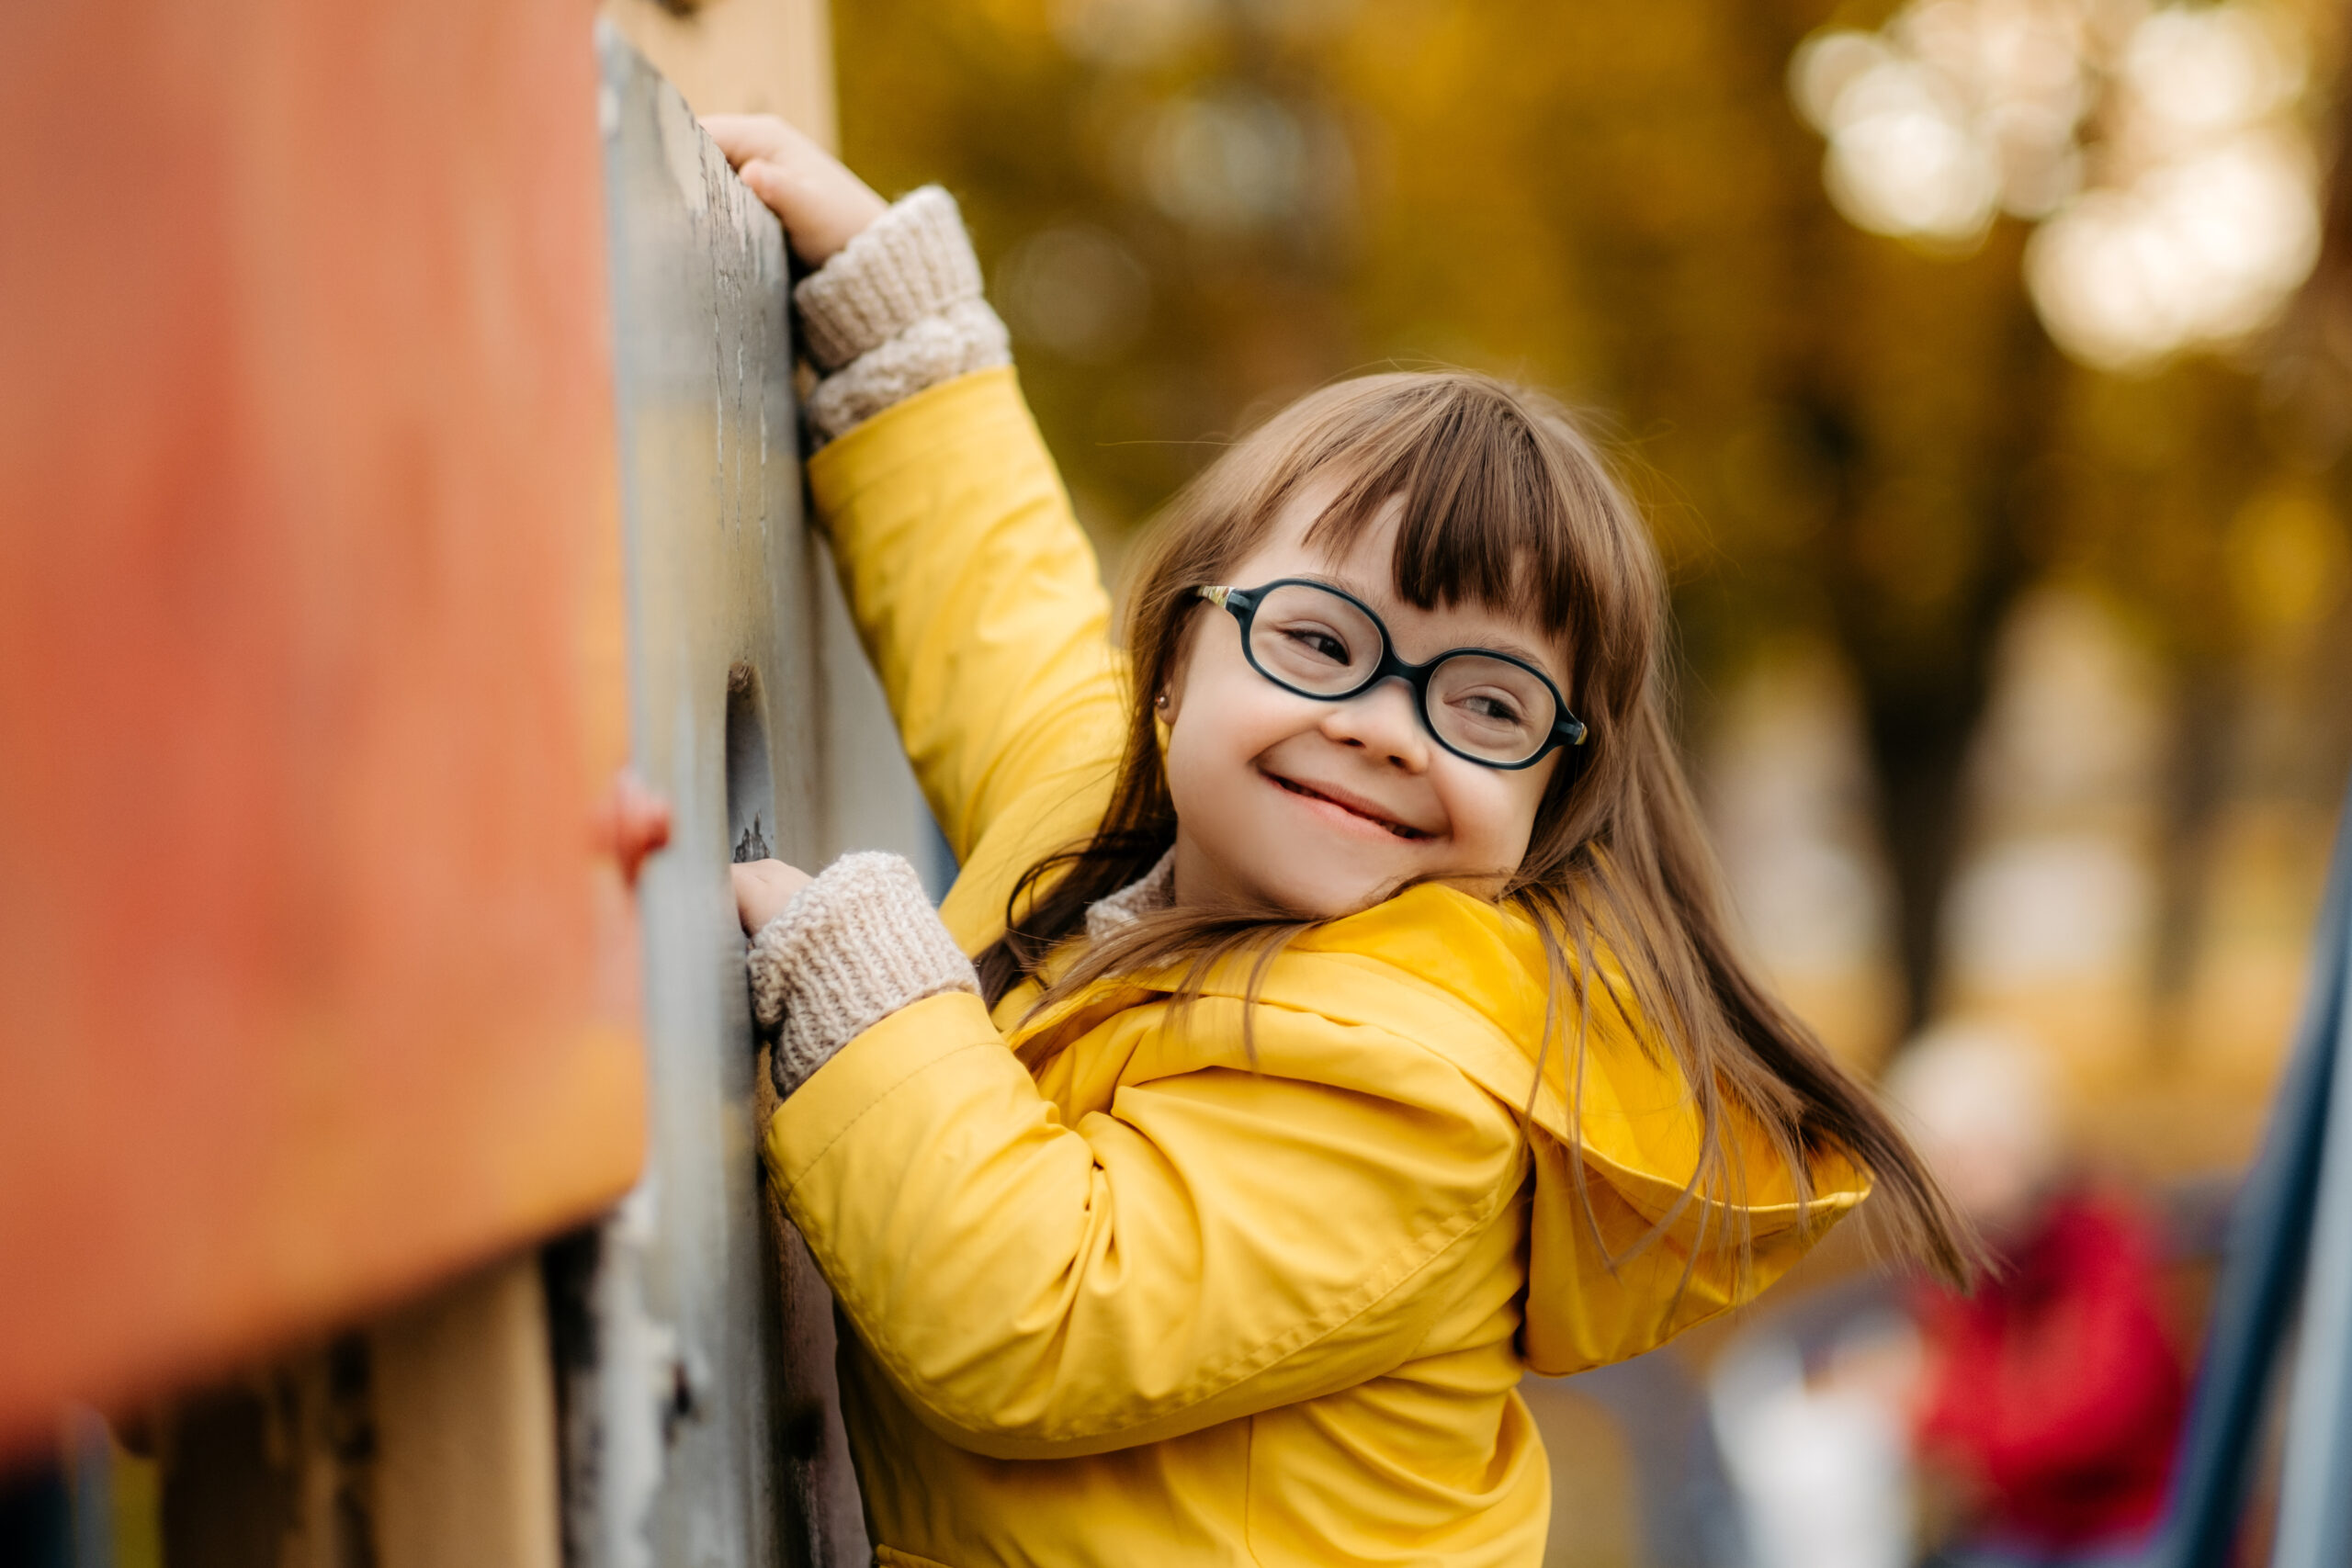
(823, 205)
(762, 888)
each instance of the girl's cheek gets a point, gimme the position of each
(1213, 738)
(1235, 712)
(1493, 814)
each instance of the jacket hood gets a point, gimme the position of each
(1614, 1130)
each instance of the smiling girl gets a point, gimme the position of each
(1335, 1017)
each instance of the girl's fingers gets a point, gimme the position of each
(782, 193)
(822, 204)
(767, 182)
(743, 137)
(762, 889)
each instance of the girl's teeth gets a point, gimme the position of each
(1397, 828)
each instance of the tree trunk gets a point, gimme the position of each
(1924, 669)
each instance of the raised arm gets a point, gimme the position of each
(978, 600)
(973, 588)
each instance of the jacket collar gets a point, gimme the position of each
(1469, 981)
(1149, 893)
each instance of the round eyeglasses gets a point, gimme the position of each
(1485, 707)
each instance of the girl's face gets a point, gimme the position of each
(1324, 808)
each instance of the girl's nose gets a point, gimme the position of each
(1381, 721)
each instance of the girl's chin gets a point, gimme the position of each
(1337, 894)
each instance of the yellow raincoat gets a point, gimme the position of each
(1122, 1297)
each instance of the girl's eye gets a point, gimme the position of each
(1318, 641)
(1490, 708)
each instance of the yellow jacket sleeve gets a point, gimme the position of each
(1222, 1242)
(979, 599)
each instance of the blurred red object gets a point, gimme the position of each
(314, 986)
(2056, 1386)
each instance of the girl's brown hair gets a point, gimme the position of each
(1505, 504)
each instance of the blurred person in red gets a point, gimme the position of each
(2052, 1399)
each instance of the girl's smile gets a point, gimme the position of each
(1347, 808)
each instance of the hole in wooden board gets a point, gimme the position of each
(750, 783)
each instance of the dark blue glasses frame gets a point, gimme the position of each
(1242, 602)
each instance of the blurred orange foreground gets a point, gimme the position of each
(312, 986)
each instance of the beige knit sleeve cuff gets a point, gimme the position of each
(896, 311)
(855, 945)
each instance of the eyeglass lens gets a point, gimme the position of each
(1318, 643)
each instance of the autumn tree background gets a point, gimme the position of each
(1864, 453)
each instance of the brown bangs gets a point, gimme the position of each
(1484, 517)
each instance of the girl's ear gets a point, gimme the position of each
(1171, 698)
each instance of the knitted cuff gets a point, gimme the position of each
(957, 341)
(911, 262)
(898, 309)
(855, 945)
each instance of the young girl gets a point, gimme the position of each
(1349, 1022)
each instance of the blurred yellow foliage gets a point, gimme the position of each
(2287, 558)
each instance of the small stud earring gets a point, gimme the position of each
(1161, 702)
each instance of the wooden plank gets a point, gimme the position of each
(465, 1428)
(309, 638)
(739, 56)
(696, 1383)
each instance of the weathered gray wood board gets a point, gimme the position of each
(697, 1353)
